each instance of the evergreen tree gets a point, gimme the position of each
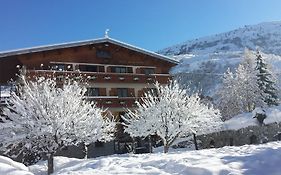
(239, 91)
(266, 81)
(247, 83)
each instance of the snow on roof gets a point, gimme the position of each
(85, 42)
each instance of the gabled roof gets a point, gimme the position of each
(81, 43)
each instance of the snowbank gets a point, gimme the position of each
(10, 167)
(246, 119)
(246, 160)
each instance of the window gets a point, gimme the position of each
(91, 68)
(103, 54)
(69, 67)
(122, 92)
(148, 71)
(122, 69)
(92, 92)
(59, 67)
(88, 68)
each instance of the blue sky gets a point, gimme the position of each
(151, 24)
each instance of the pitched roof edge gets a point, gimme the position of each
(81, 43)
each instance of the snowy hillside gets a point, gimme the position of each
(203, 61)
(266, 36)
(246, 160)
(204, 72)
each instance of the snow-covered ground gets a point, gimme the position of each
(10, 167)
(248, 159)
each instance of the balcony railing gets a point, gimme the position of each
(101, 77)
(114, 101)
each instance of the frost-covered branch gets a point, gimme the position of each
(170, 114)
(46, 117)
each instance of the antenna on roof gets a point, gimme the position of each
(106, 33)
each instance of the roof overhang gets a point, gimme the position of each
(82, 43)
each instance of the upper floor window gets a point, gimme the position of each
(69, 67)
(91, 68)
(88, 68)
(103, 54)
(59, 67)
(122, 69)
(148, 71)
(92, 92)
(122, 92)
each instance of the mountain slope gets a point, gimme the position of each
(203, 61)
(266, 36)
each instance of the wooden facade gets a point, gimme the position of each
(117, 73)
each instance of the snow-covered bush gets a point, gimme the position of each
(44, 116)
(170, 112)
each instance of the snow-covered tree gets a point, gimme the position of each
(44, 116)
(239, 91)
(228, 100)
(170, 112)
(266, 81)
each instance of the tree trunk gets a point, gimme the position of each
(149, 144)
(86, 151)
(50, 163)
(134, 145)
(195, 141)
(166, 148)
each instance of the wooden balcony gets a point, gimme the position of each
(114, 101)
(101, 77)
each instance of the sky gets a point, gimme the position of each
(150, 24)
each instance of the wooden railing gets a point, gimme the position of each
(114, 102)
(101, 77)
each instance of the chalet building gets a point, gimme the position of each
(117, 74)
